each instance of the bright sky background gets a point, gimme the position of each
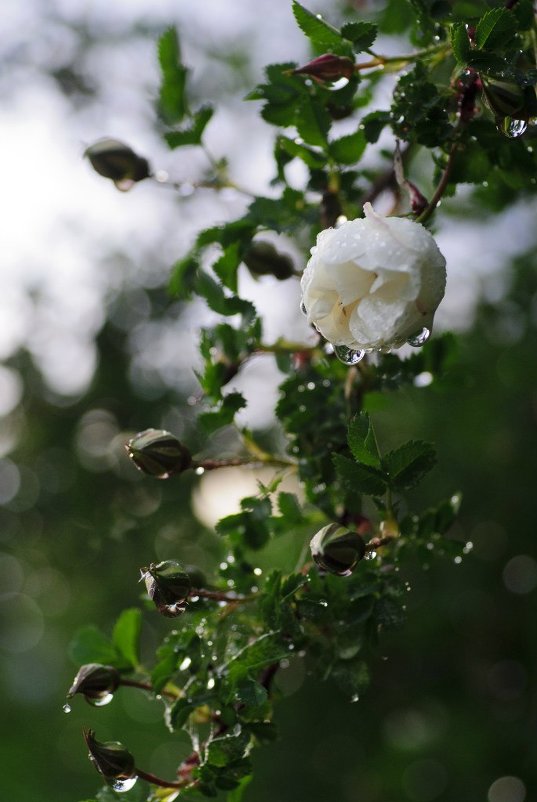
(62, 224)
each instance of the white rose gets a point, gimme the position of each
(374, 283)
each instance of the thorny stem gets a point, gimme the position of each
(218, 595)
(382, 61)
(154, 780)
(214, 464)
(441, 187)
(146, 686)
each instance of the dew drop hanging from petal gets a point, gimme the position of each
(347, 355)
(419, 339)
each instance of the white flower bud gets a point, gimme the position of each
(373, 283)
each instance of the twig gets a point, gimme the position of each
(146, 686)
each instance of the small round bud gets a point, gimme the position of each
(337, 550)
(96, 682)
(262, 259)
(158, 453)
(327, 67)
(168, 586)
(113, 761)
(117, 161)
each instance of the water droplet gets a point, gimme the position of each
(370, 555)
(303, 309)
(511, 127)
(122, 786)
(66, 708)
(323, 602)
(419, 339)
(458, 560)
(185, 664)
(199, 471)
(102, 700)
(347, 355)
(355, 697)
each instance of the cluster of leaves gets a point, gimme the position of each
(218, 670)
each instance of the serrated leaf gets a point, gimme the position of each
(348, 149)
(223, 416)
(90, 645)
(361, 34)
(251, 693)
(227, 748)
(310, 157)
(361, 439)
(172, 100)
(183, 277)
(219, 302)
(289, 507)
(227, 266)
(374, 123)
(126, 635)
(460, 43)
(359, 478)
(495, 28)
(191, 134)
(313, 121)
(321, 34)
(263, 651)
(408, 464)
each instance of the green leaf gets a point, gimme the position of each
(251, 693)
(361, 34)
(172, 101)
(183, 277)
(289, 507)
(227, 266)
(321, 34)
(313, 121)
(90, 645)
(191, 134)
(361, 439)
(409, 463)
(459, 43)
(223, 416)
(310, 157)
(237, 793)
(359, 478)
(495, 28)
(219, 302)
(227, 748)
(163, 671)
(126, 635)
(374, 123)
(352, 676)
(348, 149)
(263, 651)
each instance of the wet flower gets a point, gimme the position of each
(168, 585)
(113, 761)
(96, 682)
(374, 283)
(117, 161)
(158, 453)
(337, 550)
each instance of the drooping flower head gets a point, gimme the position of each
(373, 283)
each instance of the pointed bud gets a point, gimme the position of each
(337, 550)
(503, 97)
(327, 67)
(168, 586)
(113, 761)
(96, 682)
(158, 453)
(262, 259)
(117, 161)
